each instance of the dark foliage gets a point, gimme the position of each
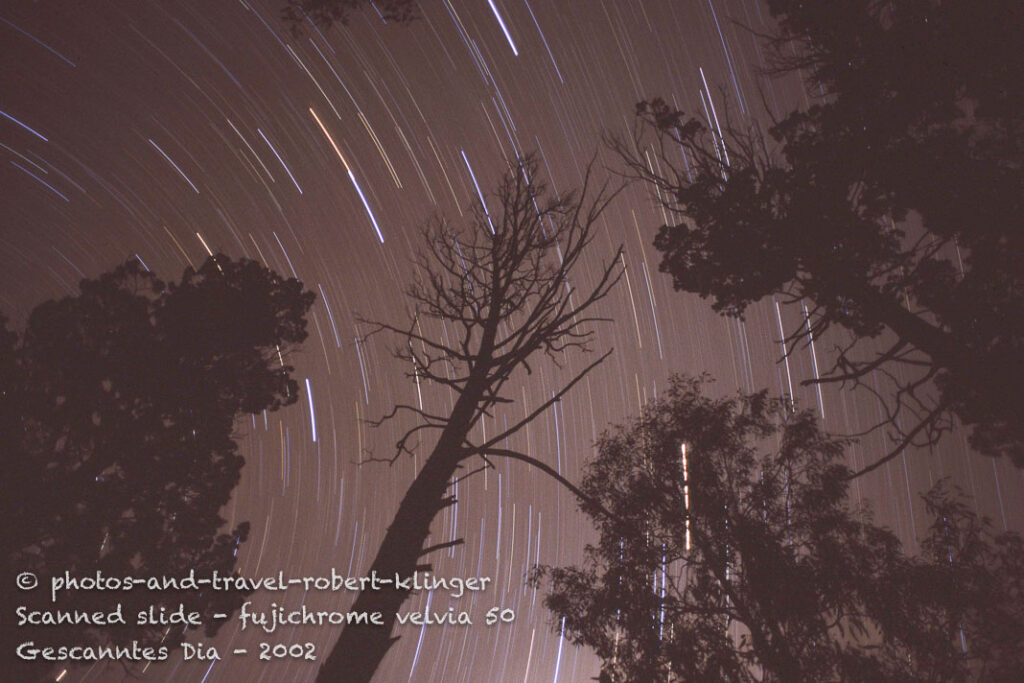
(327, 13)
(118, 407)
(892, 205)
(782, 580)
(489, 301)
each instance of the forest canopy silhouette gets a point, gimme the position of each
(729, 551)
(327, 13)
(118, 407)
(890, 207)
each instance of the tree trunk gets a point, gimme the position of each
(361, 648)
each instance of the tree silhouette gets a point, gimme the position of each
(505, 289)
(728, 551)
(117, 407)
(891, 206)
(327, 13)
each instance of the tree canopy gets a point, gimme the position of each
(118, 407)
(327, 13)
(728, 550)
(891, 205)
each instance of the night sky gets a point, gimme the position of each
(163, 130)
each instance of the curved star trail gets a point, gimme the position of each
(163, 131)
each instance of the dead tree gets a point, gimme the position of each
(504, 289)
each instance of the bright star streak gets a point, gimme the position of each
(284, 165)
(312, 415)
(501, 22)
(52, 189)
(478, 192)
(686, 496)
(558, 659)
(205, 245)
(351, 176)
(545, 40)
(28, 128)
(41, 43)
(171, 162)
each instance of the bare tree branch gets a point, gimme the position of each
(500, 292)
